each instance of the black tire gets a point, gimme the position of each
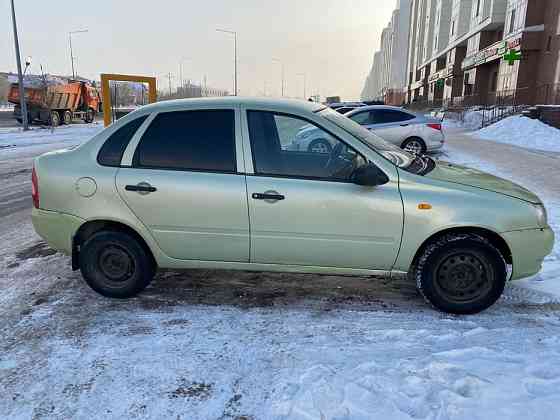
(55, 119)
(412, 142)
(67, 118)
(461, 274)
(90, 116)
(323, 145)
(116, 265)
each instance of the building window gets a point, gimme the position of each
(549, 44)
(477, 7)
(452, 28)
(512, 22)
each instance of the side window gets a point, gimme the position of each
(289, 146)
(112, 151)
(386, 116)
(362, 118)
(189, 140)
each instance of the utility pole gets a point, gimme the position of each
(282, 64)
(234, 33)
(304, 84)
(22, 103)
(71, 50)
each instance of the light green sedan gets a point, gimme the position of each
(215, 184)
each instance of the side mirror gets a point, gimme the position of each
(369, 175)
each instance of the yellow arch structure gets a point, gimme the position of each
(106, 93)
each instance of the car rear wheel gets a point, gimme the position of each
(115, 264)
(320, 146)
(461, 274)
(414, 145)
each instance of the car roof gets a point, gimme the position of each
(373, 107)
(285, 105)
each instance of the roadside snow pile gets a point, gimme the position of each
(472, 120)
(523, 132)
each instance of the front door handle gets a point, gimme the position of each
(269, 196)
(405, 125)
(142, 188)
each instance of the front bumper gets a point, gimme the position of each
(529, 247)
(57, 229)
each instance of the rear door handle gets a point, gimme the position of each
(405, 125)
(268, 196)
(141, 188)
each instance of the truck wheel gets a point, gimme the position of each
(90, 116)
(55, 119)
(67, 118)
(461, 274)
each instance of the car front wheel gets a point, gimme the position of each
(115, 264)
(461, 274)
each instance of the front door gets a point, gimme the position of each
(305, 211)
(183, 185)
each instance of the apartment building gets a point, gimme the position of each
(387, 77)
(469, 49)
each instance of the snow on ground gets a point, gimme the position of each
(15, 142)
(548, 280)
(205, 344)
(523, 132)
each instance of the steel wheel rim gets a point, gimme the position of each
(414, 146)
(463, 277)
(116, 265)
(320, 148)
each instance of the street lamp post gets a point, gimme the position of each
(304, 84)
(234, 33)
(282, 64)
(71, 51)
(22, 103)
(181, 71)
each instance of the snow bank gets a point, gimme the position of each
(523, 132)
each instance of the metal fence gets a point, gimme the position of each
(493, 106)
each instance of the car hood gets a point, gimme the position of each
(457, 174)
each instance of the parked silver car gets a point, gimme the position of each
(417, 134)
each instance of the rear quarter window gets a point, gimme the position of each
(112, 151)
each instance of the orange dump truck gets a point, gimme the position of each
(57, 103)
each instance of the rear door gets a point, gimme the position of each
(183, 183)
(391, 124)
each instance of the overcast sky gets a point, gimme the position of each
(332, 41)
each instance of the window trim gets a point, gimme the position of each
(300, 177)
(134, 158)
(130, 141)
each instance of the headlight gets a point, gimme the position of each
(542, 218)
